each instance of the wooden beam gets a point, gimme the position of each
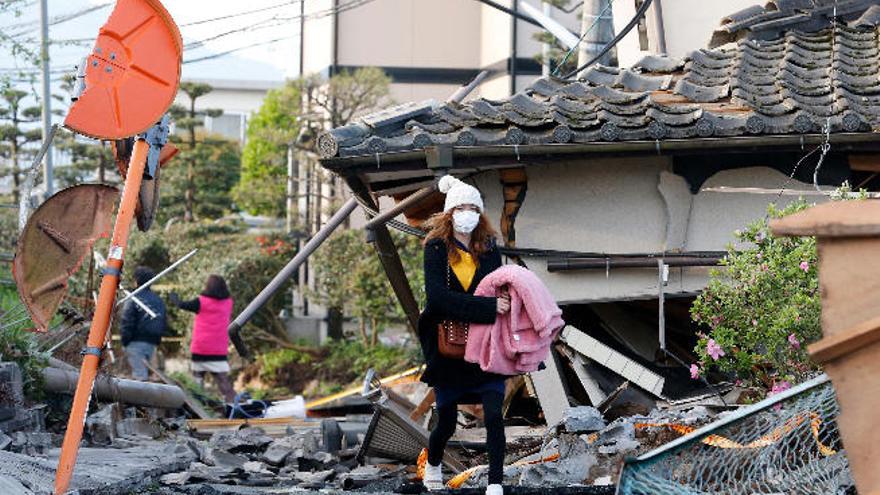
(551, 391)
(390, 259)
(865, 162)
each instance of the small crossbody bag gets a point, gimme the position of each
(451, 334)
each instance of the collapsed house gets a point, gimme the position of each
(622, 189)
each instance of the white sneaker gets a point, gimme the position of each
(433, 479)
(494, 490)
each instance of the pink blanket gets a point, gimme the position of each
(520, 340)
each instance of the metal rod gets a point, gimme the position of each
(399, 208)
(103, 262)
(661, 302)
(288, 271)
(25, 197)
(159, 275)
(136, 300)
(567, 264)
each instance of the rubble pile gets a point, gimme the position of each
(140, 450)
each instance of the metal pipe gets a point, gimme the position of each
(288, 271)
(24, 200)
(569, 264)
(399, 208)
(157, 276)
(463, 91)
(132, 392)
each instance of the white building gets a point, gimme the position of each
(685, 25)
(237, 98)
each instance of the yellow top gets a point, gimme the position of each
(464, 268)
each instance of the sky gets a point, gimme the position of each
(242, 27)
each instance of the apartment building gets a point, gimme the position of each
(428, 47)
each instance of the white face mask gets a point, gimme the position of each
(464, 222)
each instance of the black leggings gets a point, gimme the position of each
(492, 413)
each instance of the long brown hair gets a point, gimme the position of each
(439, 226)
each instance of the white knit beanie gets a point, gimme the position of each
(459, 193)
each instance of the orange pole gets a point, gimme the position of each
(101, 319)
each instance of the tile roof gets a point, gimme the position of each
(778, 69)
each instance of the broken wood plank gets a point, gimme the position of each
(192, 406)
(511, 434)
(602, 354)
(512, 387)
(423, 407)
(551, 391)
(579, 366)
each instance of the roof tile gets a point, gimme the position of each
(787, 73)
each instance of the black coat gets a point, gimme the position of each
(453, 303)
(137, 326)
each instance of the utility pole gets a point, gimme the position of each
(594, 30)
(47, 94)
(292, 171)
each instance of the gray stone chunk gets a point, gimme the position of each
(573, 466)
(582, 419)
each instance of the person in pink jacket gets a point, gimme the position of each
(210, 341)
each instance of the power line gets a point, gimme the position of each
(227, 52)
(239, 14)
(56, 20)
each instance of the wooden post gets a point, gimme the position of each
(848, 238)
(390, 259)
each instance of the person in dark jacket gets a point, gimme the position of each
(142, 332)
(460, 250)
(210, 341)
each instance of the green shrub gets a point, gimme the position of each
(19, 345)
(761, 310)
(273, 361)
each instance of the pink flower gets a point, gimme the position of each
(804, 266)
(695, 372)
(779, 387)
(714, 350)
(754, 323)
(793, 340)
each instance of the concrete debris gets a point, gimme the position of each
(573, 466)
(582, 419)
(31, 443)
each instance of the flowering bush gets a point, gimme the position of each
(761, 309)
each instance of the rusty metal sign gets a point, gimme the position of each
(57, 237)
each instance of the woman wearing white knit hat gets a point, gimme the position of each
(460, 250)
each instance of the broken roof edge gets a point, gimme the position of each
(835, 219)
(469, 154)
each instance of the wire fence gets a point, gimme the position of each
(787, 444)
